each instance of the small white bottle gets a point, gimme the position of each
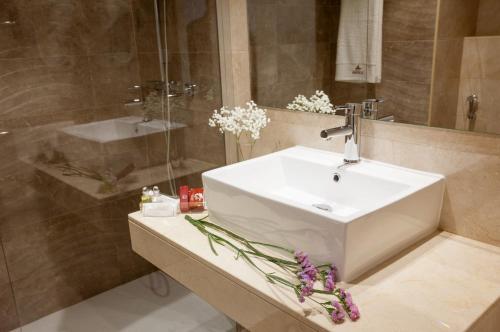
(156, 194)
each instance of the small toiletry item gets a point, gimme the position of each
(196, 200)
(145, 198)
(184, 198)
(158, 210)
(156, 194)
(172, 201)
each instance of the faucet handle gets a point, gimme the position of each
(190, 88)
(370, 108)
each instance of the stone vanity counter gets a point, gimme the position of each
(446, 283)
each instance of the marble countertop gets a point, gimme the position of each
(445, 283)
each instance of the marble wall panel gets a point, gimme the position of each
(487, 18)
(65, 259)
(18, 39)
(286, 55)
(409, 20)
(64, 63)
(8, 314)
(408, 46)
(289, 58)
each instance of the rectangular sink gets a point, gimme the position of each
(115, 143)
(112, 130)
(291, 198)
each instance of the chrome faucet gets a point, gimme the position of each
(351, 131)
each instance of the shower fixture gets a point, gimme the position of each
(473, 102)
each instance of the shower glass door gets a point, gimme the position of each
(87, 118)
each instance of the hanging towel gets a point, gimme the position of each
(359, 44)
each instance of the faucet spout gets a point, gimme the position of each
(328, 134)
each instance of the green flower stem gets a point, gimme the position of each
(287, 265)
(242, 240)
(290, 251)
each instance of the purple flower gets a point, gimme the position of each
(338, 317)
(348, 300)
(331, 278)
(300, 256)
(306, 290)
(336, 305)
(337, 314)
(353, 312)
(306, 266)
(307, 284)
(307, 275)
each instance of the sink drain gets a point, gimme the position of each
(324, 207)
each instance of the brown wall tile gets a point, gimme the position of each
(488, 23)
(287, 58)
(8, 315)
(113, 76)
(409, 61)
(59, 262)
(409, 20)
(457, 18)
(407, 101)
(73, 62)
(43, 86)
(285, 53)
(18, 39)
(110, 28)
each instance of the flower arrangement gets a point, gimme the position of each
(318, 103)
(299, 273)
(241, 120)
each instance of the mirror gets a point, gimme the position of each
(434, 63)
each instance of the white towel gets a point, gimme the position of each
(359, 44)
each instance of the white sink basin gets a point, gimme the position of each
(374, 211)
(119, 129)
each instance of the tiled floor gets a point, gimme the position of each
(135, 307)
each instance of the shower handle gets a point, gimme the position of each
(473, 101)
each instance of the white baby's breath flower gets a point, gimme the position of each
(238, 120)
(318, 103)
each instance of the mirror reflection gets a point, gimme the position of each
(423, 62)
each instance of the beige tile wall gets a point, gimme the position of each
(470, 162)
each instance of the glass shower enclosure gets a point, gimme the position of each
(98, 99)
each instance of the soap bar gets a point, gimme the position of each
(196, 200)
(172, 201)
(158, 210)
